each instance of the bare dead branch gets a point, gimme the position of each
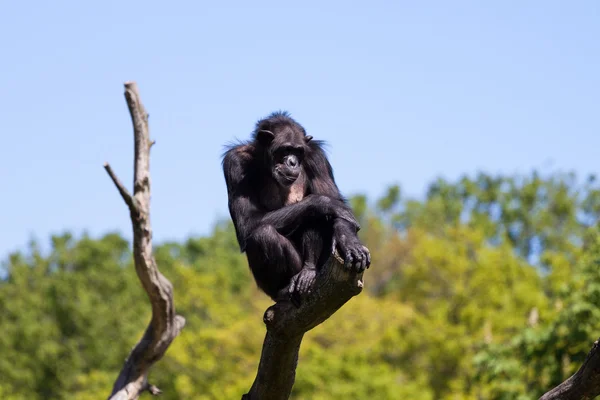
(165, 324)
(286, 326)
(122, 189)
(583, 384)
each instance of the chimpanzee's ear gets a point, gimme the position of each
(264, 136)
(307, 138)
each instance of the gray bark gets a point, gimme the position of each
(286, 326)
(165, 324)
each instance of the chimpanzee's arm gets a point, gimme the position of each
(345, 230)
(287, 219)
(244, 213)
(322, 182)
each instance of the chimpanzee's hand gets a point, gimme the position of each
(301, 285)
(355, 255)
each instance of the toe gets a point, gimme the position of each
(292, 287)
(302, 286)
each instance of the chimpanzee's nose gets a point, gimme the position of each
(292, 162)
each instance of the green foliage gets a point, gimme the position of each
(531, 213)
(488, 288)
(541, 357)
(57, 321)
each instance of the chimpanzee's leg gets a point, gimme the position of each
(273, 260)
(316, 244)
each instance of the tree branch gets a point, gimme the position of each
(583, 384)
(122, 189)
(165, 324)
(286, 326)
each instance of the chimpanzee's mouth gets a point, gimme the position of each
(285, 179)
(288, 179)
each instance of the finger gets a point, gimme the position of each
(366, 261)
(348, 259)
(357, 260)
(363, 261)
(356, 263)
(366, 257)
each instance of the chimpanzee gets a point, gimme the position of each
(287, 210)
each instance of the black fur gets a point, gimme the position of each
(286, 244)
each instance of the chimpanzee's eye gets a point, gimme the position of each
(299, 152)
(280, 153)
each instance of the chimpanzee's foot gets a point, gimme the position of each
(302, 284)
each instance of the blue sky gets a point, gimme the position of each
(402, 91)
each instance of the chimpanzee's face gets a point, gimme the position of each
(286, 147)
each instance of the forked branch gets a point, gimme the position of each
(286, 326)
(165, 324)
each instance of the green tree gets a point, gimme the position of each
(542, 356)
(57, 315)
(487, 288)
